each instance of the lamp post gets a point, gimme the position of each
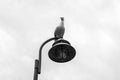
(61, 50)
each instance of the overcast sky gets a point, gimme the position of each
(92, 27)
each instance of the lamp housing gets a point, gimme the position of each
(61, 51)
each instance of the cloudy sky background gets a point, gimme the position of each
(92, 27)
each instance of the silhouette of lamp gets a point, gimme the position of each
(61, 52)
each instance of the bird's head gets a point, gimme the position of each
(62, 21)
(62, 18)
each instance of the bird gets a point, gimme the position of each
(60, 30)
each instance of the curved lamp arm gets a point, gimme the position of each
(37, 68)
(40, 54)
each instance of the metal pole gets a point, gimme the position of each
(36, 70)
(40, 53)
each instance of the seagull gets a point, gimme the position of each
(60, 30)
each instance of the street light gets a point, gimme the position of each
(61, 50)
